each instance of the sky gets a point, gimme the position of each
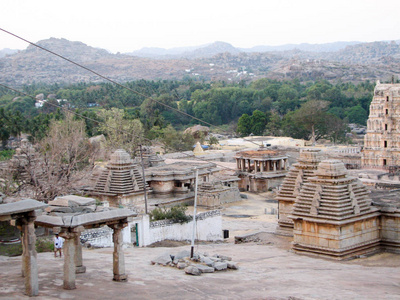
(125, 26)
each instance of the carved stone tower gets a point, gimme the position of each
(382, 141)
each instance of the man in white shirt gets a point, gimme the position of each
(58, 244)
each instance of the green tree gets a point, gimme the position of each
(120, 132)
(309, 120)
(258, 121)
(244, 125)
(357, 115)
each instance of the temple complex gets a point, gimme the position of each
(259, 170)
(120, 183)
(382, 141)
(298, 175)
(333, 215)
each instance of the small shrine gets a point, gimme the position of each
(333, 215)
(121, 182)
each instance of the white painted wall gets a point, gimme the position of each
(208, 228)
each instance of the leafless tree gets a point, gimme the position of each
(57, 164)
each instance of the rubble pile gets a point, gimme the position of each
(200, 263)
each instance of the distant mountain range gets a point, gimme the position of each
(220, 47)
(345, 61)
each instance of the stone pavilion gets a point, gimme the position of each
(259, 170)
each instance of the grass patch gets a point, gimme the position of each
(6, 154)
(43, 244)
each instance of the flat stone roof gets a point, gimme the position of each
(86, 220)
(20, 207)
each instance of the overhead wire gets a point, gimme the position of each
(115, 82)
(100, 121)
(112, 81)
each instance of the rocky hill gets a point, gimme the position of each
(217, 61)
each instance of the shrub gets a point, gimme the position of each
(175, 213)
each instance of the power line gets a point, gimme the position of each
(100, 121)
(113, 81)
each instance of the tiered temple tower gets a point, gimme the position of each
(333, 215)
(121, 183)
(382, 141)
(298, 175)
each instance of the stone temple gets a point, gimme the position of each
(121, 183)
(333, 215)
(382, 141)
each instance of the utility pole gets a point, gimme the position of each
(194, 214)
(144, 180)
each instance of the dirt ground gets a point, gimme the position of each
(267, 269)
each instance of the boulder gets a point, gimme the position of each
(209, 262)
(204, 269)
(191, 270)
(219, 266)
(164, 260)
(181, 265)
(223, 257)
(232, 265)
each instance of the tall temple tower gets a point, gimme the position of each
(382, 141)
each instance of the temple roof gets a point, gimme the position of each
(332, 195)
(121, 176)
(299, 174)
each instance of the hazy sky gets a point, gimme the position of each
(125, 26)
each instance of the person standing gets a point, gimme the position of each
(58, 244)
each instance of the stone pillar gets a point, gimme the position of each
(69, 259)
(274, 163)
(118, 255)
(29, 255)
(262, 166)
(79, 267)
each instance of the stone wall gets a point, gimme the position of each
(208, 226)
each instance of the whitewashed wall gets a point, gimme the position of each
(208, 228)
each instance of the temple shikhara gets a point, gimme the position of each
(290, 188)
(382, 141)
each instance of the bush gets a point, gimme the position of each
(44, 245)
(175, 213)
(6, 154)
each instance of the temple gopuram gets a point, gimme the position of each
(382, 141)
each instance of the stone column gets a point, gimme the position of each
(79, 267)
(29, 255)
(118, 255)
(69, 259)
(274, 164)
(262, 166)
